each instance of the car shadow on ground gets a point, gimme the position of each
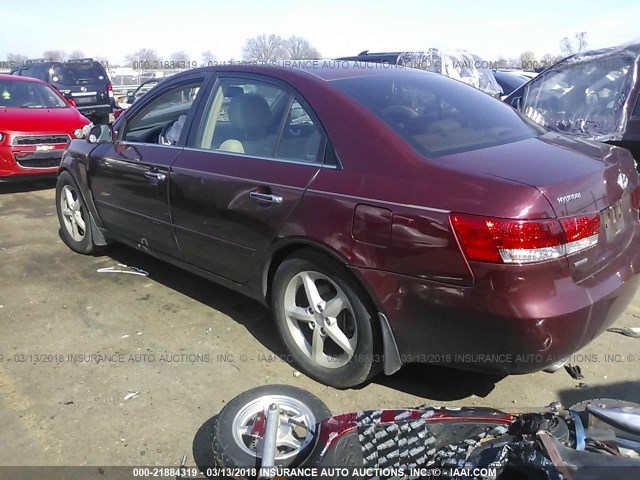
(440, 383)
(627, 391)
(32, 186)
(243, 310)
(426, 381)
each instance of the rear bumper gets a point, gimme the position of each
(515, 319)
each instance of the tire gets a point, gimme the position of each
(312, 336)
(231, 448)
(73, 216)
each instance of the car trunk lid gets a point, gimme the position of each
(578, 178)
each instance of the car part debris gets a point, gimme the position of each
(124, 269)
(633, 332)
(131, 395)
(575, 371)
(598, 437)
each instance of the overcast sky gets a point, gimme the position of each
(115, 28)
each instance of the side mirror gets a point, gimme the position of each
(101, 134)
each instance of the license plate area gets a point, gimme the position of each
(613, 220)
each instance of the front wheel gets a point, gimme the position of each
(73, 215)
(239, 428)
(321, 314)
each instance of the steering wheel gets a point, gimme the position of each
(162, 138)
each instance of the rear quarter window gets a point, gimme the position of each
(437, 115)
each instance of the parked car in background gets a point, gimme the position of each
(459, 65)
(387, 216)
(509, 80)
(83, 81)
(592, 95)
(36, 124)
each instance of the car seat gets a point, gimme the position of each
(251, 118)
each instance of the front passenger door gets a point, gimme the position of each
(130, 178)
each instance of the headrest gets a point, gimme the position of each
(249, 111)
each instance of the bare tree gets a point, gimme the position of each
(264, 48)
(179, 57)
(299, 48)
(547, 60)
(76, 54)
(566, 47)
(55, 55)
(104, 61)
(502, 62)
(569, 47)
(208, 58)
(16, 58)
(527, 60)
(143, 58)
(581, 38)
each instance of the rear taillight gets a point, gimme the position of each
(504, 240)
(110, 90)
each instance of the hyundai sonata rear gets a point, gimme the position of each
(509, 247)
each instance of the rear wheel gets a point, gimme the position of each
(321, 314)
(239, 428)
(73, 215)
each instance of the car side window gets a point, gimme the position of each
(636, 111)
(301, 139)
(243, 117)
(162, 119)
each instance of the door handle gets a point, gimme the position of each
(266, 197)
(155, 175)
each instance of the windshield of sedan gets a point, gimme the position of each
(583, 96)
(437, 115)
(21, 94)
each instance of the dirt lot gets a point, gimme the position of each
(186, 346)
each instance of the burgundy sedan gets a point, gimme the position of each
(386, 215)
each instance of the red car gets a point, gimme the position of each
(36, 124)
(387, 216)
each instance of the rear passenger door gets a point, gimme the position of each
(247, 164)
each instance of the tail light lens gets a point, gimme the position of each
(504, 240)
(110, 90)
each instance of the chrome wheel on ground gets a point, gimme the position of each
(325, 320)
(239, 428)
(296, 430)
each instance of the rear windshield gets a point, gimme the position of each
(21, 94)
(77, 74)
(437, 115)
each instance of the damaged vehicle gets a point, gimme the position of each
(387, 216)
(279, 431)
(592, 95)
(460, 65)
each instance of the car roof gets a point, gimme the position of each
(323, 69)
(20, 79)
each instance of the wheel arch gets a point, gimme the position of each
(73, 170)
(287, 247)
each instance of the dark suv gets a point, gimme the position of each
(84, 81)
